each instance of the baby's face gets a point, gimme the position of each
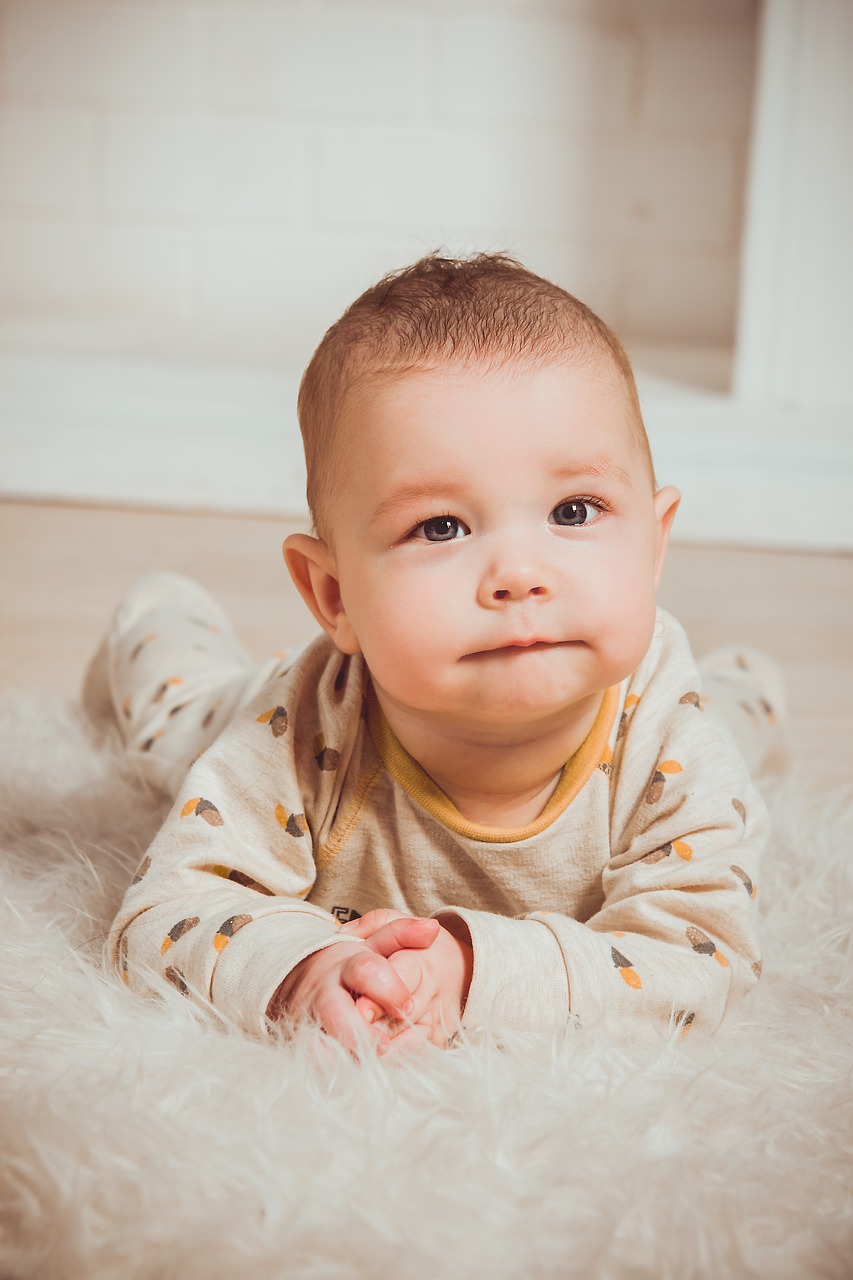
(498, 541)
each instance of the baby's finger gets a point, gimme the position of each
(367, 974)
(404, 934)
(336, 1014)
(369, 1009)
(409, 966)
(365, 926)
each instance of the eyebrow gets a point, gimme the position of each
(419, 491)
(600, 466)
(427, 490)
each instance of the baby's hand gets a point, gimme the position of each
(437, 974)
(326, 985)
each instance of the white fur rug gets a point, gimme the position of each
(136, 1141)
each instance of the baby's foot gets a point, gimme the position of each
(747, 688)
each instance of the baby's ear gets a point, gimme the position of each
(666, 505)
(312, 568)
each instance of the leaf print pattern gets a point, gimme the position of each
(240, 877)
(626, 969)
(705, 946)
(177, 979)
(276, 718)
(631, 702)
(679, 847)
(684, 1019)
(142, 643)
(202, 622)
(143, 869)
(203, 809)
(228, 928)
(745, 880)
(177, 931)
(295, 824)
(208, 719)
(171, 683)
(122, 959)
(327, 758)
(658, 781)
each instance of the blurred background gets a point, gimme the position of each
(192, 190)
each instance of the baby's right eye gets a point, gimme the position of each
(440, 529)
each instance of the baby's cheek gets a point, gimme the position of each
(624, 626)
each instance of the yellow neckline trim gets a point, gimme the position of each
(420, 786)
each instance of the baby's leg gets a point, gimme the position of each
(171, 673)
(746, 689)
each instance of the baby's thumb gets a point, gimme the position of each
(404, 934)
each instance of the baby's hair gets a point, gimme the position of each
(486, 310)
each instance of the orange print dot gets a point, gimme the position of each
(669, 766)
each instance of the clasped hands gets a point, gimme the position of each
(406, 985)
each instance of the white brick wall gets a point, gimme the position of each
(220, 177)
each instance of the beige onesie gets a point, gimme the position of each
(632, 895)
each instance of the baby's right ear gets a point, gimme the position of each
(312, 568)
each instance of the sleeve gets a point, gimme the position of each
(675, 938)
(218, 907)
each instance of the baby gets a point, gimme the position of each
(490, 793)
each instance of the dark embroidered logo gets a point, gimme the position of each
(344, 914)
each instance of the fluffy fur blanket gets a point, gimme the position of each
(137, 1141)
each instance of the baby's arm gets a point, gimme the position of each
(219, 907)
(675, 937)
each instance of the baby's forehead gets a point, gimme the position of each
(385, 404)
(385, 381)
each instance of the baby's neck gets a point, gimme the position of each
(495, 779)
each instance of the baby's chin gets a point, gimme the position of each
(523, 713)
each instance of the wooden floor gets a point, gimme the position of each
(63, 568)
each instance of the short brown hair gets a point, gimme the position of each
(487, 309)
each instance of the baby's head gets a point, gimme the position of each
(487, 529)
(486, 311)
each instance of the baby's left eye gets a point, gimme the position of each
(576, 512)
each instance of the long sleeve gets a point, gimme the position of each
(218, 907)
(675, 933)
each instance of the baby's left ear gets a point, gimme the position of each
(312, 568)
(666, 505)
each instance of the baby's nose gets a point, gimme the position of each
(518, 592)
(514, 583)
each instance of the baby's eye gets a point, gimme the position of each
(441, 529)
(576, 511)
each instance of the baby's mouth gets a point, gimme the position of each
(518, 647)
